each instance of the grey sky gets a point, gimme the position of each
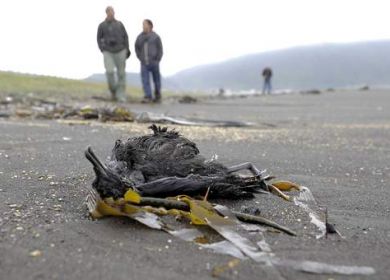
(59, 37)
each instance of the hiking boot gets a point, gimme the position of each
(113, 98)
(146, 100)
(157, 100)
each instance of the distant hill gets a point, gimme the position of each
(316, 66)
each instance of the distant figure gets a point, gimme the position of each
(267, 74)
(149, 50)
(113, 42)
(221, 92)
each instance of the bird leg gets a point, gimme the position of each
(247, 166)
(278, 192)
(258, 174)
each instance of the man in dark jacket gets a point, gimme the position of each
(267, 75)
(113, 42)
(149, 50)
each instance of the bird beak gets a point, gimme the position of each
(97, 164)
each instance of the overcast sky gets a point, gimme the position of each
(58, 38)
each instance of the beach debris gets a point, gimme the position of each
(286, 185)
(251, 210)
(7, 100)
(187, 99)
(307, 202)
(35, 253)
(114, 114)
(225, 248)
(5, 115)
(148, 117)
(330, 228)
(165, 164)
(278, 187)
(35, 108)
(121, 189)
(311, 91)
(117, 114)
(324, 268)
(220, 269)
(23, 113)
(201, 214)
(86, 112)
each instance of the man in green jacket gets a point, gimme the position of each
(113, 42)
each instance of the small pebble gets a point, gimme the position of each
(35, 253)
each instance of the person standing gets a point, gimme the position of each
(267, 75)
(149, 50)
(113, 42)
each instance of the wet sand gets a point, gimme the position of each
(335, 143)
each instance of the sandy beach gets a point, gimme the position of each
(336, 143)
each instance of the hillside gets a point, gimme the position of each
(133, 79)
(45, 86)
(318, 66)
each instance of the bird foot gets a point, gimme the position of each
(278, 192)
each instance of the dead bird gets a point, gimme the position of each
(164, 164)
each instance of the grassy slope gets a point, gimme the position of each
(17, 84)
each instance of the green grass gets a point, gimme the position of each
(17, 84)
(63, 90)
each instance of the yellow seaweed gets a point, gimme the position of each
(286, 186)
(105, 209)
(132, 196)
(202, 212)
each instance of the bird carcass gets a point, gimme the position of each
(164, 164)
